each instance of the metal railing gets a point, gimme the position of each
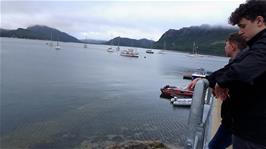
(200, 118)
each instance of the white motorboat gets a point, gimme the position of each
(57, 47)
(149, 51)
(129, 53)
(110, 49)
(181, 101)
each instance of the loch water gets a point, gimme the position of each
(79, 97)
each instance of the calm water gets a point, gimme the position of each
(89, 98)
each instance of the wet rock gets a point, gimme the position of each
(138, 145)
(117, 139)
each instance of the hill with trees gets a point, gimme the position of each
(208, 39)
(39, 32)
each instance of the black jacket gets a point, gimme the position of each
(226, 104)
(246, 80)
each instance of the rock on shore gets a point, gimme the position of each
(138, 145)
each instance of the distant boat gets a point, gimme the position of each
(129, 53)
(57, 47)
(164, 48)
(195, 51)
(177, 101)
(173, 91)
(118, 44)
(51, 40)
(198, 73)
(161, 52)
(110, 49)
(149, 51)
(85, 45)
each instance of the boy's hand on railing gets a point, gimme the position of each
(192, 84)
(221, 93)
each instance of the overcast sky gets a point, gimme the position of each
(108, 19)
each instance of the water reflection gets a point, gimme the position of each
(77, 97)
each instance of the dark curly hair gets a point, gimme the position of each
(249, 10)
(238, 40)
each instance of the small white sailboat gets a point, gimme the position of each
(195, 51)
(149, 51)
(118, 44)
(110, 49)
(57, 47)
(51, 40)
(85, 45)
(118, 48)
(164, 48)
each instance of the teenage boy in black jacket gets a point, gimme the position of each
(235, 47)
(246, 78)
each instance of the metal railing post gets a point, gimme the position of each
(195, 125)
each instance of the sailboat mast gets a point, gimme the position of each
(118, 44)
(194, 48)
(51, 39)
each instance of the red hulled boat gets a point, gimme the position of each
(173, 91)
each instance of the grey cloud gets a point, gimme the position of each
(99, 18)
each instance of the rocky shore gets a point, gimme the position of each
(138, 145)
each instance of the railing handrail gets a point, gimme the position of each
(199, 116)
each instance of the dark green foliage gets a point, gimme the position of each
(38, 32)
(210, 40)
(144, 43)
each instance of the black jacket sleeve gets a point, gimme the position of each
(250, 67)
(212, 78)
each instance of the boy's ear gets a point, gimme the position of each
(260, 21)
(234, 46)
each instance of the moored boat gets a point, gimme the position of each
(199, 73)
(181, 101)
(110, 49)
(57, 47)
(173, 91)
(129, 53)
(149, 51)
